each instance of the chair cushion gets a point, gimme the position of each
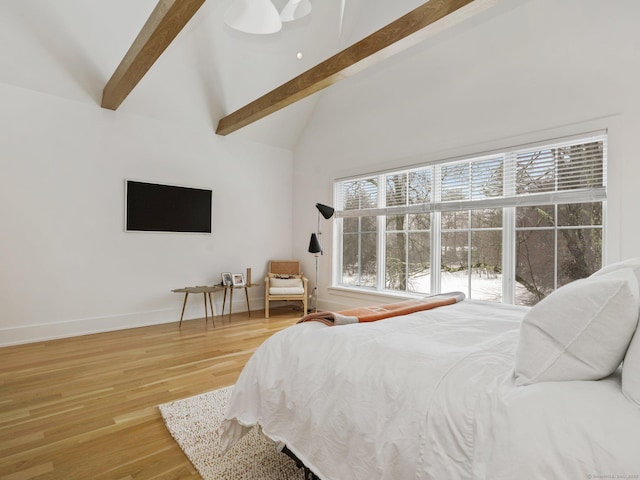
(286, 290)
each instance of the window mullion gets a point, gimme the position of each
(405, 233)
(381, 242)
(509, 232)
(337, 241)
(359, 263)
(469, 247)
(555, 247)
(436, 231)
(338, 249)
(508, 254)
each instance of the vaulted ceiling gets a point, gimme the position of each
(71, 48)
(169, 17)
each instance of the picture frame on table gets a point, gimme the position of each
(227, 279)
(238, 280)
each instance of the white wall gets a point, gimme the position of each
(526, 70)
(66, 265)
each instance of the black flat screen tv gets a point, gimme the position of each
(151, 207)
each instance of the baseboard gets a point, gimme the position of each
(87, 326)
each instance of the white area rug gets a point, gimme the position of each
(195, 424)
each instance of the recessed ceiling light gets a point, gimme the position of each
(299, 55)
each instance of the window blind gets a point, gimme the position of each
(570, 171)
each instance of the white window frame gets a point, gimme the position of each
(509, 230)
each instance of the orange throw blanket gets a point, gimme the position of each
(379, 312)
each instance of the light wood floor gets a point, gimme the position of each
(86, 407)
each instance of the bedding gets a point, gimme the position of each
(430, 395)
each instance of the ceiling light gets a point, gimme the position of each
(254, 16)
(295, 9)
(299, 55)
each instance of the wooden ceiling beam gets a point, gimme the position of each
(389, 40)
(165, 22)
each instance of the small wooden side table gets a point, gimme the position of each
(232, 288)
(205, 290)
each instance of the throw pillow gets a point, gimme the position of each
(284, 275)
(579, 332)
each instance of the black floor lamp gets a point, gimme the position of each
(316, 248)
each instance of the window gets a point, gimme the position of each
(510, 226)
(407, 242)
(359, 233)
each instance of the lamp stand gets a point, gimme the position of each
(314, 292)
(315, 247)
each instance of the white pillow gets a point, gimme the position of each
(631, 370)
(631, 365)
(632, 263)
(579, 332)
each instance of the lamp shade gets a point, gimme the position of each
(327, 212)
(253, 16)
(295, 9)
(314, 244)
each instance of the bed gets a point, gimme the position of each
(463, 391)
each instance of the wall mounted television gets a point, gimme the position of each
(152, 207)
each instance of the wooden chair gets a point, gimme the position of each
(285, 282)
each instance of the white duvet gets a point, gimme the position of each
(430, 396)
